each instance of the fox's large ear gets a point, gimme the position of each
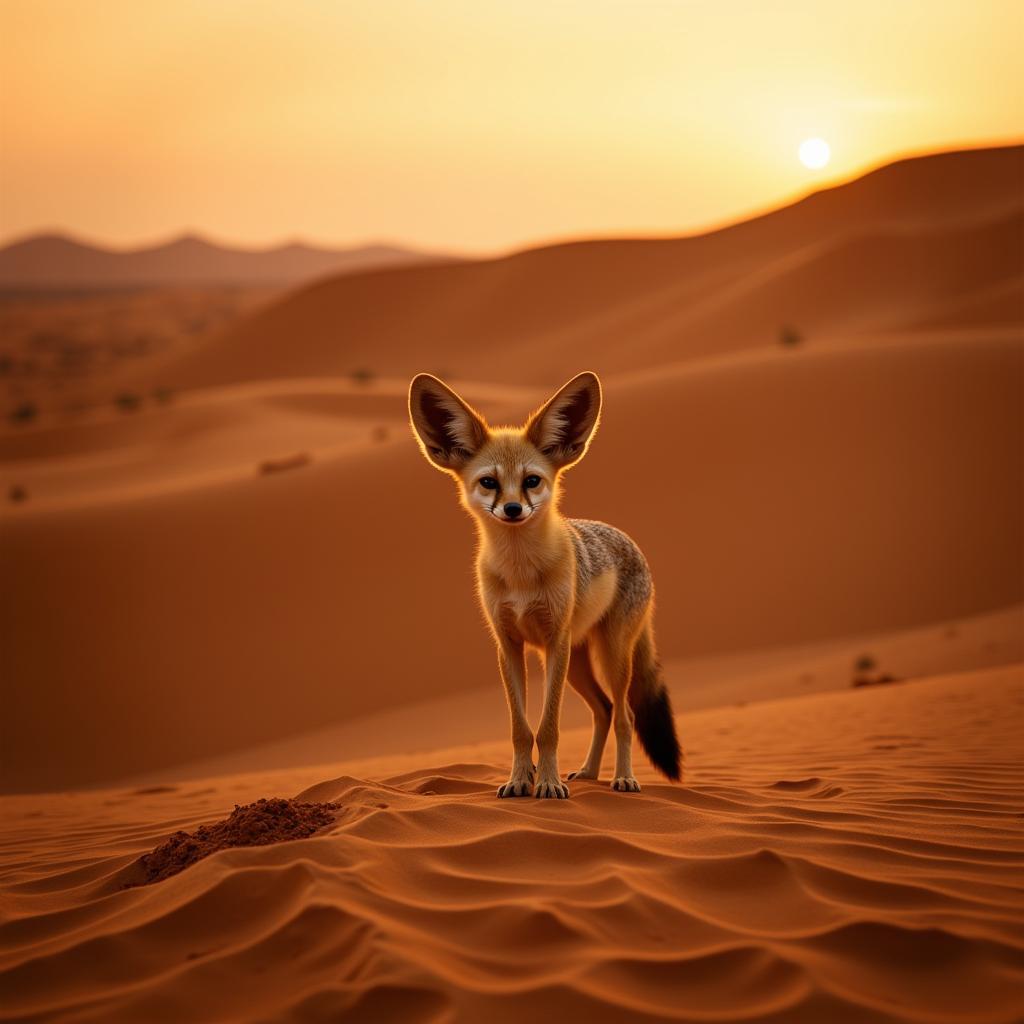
(449, 431)
(563, 427)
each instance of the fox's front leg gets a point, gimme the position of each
(512, 663)
(556, 665)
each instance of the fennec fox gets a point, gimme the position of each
(579, 591)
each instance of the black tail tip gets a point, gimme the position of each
(656, 728)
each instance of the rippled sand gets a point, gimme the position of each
(853, 856)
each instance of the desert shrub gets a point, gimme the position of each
(17, 493)
(163, 395)
(363, 375)
(128, 401)
(381, 433)
(865, 663)
(24, 412)
(789, 336)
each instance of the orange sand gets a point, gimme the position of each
(847, 857)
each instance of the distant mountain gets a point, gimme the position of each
(57, 261)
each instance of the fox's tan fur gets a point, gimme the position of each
(578, 591)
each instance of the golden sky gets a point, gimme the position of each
(474, 125)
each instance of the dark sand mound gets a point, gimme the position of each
(266, 821)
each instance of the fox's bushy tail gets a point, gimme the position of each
(652, 709)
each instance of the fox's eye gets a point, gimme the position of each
(531, 481)
(488, 483)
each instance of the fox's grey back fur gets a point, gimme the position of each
(600, 547)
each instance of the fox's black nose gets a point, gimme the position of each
(513, 510)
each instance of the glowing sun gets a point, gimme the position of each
(815, 153)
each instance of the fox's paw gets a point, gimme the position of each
(520, 783)
(551, 787)
(625, 784)
(583, 773)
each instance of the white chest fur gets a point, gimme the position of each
(531, 607)
(523, 600)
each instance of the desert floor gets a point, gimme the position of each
(844, 856)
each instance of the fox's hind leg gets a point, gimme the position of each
(613, 643)
(583, 681)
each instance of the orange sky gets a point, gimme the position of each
(473, 124)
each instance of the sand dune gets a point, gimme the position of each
(861, 283)
(888, 245)
(770, 493)
(842, 857)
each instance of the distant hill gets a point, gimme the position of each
(937, 236)
(57, 261)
